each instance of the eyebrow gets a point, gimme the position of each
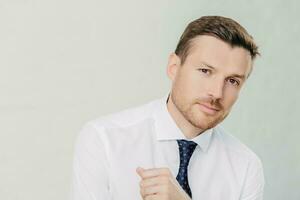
(243, 77)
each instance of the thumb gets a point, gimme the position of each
(139, 171)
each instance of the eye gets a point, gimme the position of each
(233, 81)
(205, 71)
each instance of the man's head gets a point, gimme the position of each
(212, 61)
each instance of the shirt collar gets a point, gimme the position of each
(166, 128)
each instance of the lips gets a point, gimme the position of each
(208, 109)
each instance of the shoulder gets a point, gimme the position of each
(235, 147)
(120, 120)
(126, 117)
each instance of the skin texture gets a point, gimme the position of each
(204, 89)
(212, 76)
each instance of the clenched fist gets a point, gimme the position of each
(159, 184)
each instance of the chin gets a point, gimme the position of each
(204, 125)
(205, 122)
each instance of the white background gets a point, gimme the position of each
(63, 63)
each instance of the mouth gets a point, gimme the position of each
(208, 109)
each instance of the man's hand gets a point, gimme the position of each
(159, 184)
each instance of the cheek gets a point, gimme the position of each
(185, 83)
(195, 84)
(230, 98)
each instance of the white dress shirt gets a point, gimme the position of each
(109, 149)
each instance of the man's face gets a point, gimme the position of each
(206, 86)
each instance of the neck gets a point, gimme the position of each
(184, 125)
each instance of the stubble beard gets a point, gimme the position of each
(193, 116)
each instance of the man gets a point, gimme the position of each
(173, 148)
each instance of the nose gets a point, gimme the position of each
(216, 88)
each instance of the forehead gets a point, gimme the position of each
(219, 54)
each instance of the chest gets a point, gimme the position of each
(212, 175)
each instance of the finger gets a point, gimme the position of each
(152, 190)
(139, 171)
(154, 197)
(152, 172)
(157, 180)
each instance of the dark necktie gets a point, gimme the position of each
(186, 149)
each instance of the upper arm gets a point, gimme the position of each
(253, 187)
(90, 167)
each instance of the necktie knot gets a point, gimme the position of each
(186, 149)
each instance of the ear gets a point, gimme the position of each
(173, 66)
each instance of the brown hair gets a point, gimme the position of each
(223, 28)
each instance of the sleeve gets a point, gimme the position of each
(253, 188)
(90, 167)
